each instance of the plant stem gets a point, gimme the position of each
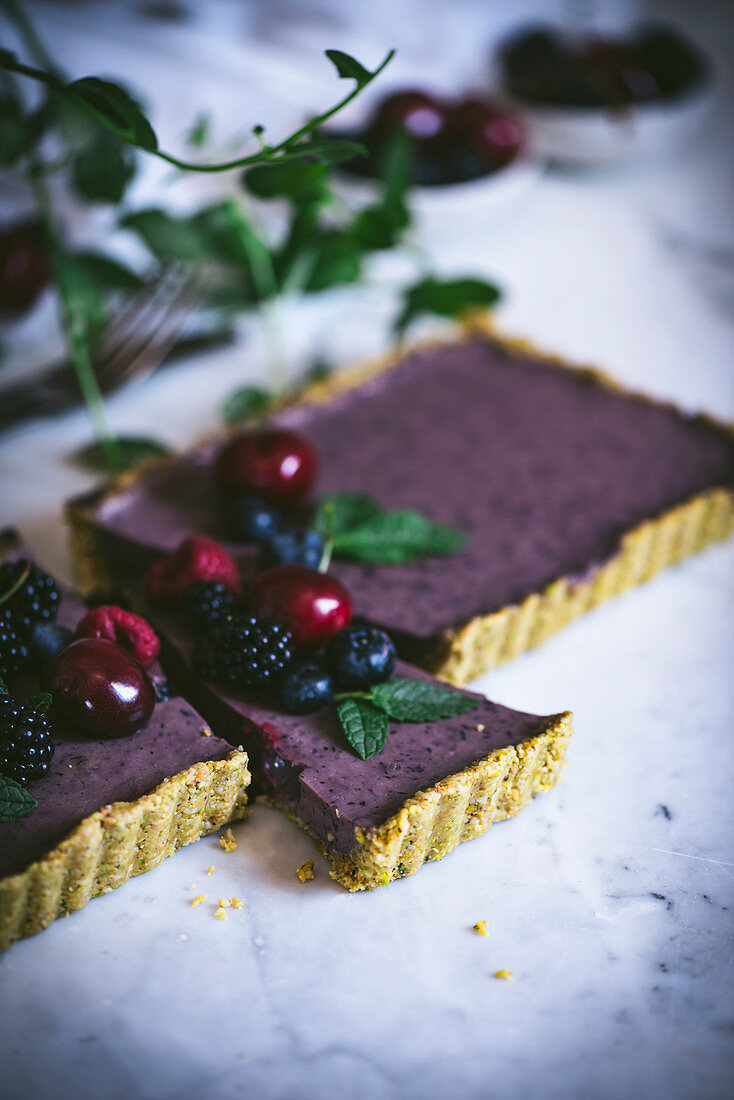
(284, 151)
(75, 329)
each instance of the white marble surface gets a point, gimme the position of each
(610, 898)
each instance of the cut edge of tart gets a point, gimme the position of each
(486, 640)
(433, 822)
(121, 839)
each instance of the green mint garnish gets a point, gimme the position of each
(445, 298)
(41, 701)
(361, 530)
(365, 725)
(14, 800)
(421, 700)
(129, 451)
(246, 403)
(364, 715)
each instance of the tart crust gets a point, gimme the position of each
(460, 807)
(120, 840)
(488, 640)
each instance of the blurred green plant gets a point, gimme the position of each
(90, 132)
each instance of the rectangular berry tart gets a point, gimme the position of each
(119, 773)
(551, 488)
(392, 770)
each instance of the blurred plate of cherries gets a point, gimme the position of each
(465, 152)
(595, 99)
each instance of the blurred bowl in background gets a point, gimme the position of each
(595, 100)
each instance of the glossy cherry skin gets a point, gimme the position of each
(312, 605)
(23, 267)
(494, 136)
(278, 465)
(100, 687)
(421, 115)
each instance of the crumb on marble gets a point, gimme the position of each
(224, 903)
(210, 870)
(220, 913)
(236, 903)
(228, 841)
(199, 899)
(481, 928)
(305, 872)
(503, 975)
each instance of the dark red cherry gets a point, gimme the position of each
(311, 605)
(421, 115)
(275, 464)
(100, 687)
(23, 267)
(493, 135)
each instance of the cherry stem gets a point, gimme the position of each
(328, 550)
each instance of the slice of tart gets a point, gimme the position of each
(111, 808)
(569, 489)
(432, 786)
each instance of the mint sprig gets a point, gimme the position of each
(365, 725)
(360, 529)
(15, 801)
(364, 714)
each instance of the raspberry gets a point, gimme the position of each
(247, 652)
(196, 559)
(26, 747)
(36, 599)
(13, 650)
(208, 603)
(128, 630)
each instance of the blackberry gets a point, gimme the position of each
(26, 747)
(37, 599)
(208, 603)
(13, 650)
(247, 652)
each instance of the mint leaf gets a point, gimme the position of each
(129, 451)
(166, 236)
(445, 298)
(246, 403)
(365, 726)
(198, 134)
(116, 110)
(349, 68)
(82, 294)
(101, 171)
(14, 800)
(108, 273)
(420, 700)
(41, 701)
(299, 181)
(347, 511)
(328, 150)
(393, 538)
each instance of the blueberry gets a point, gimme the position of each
(295, 545)
(306, 688)
(360, 656)
(250, 519)
(45, 640)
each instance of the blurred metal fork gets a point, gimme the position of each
(137, 341)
